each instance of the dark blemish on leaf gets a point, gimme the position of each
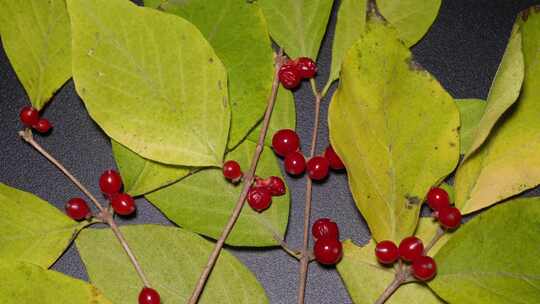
(525, 14)
(211, 60)
(452, 144)
(436, 148)
(219, 85)
(225, 102)
(411, 201)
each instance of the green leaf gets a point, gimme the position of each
(493, 258)
(411, 18)
(172, 259)
(141, 175)
(203, 202)
(28, 283)
(508, 162)
(395, 128)
(237, 31)
(470, 112)
(37, 40)
(504, 91)
(151, 81)
(298, 26)
(366, 279)
(32, 230)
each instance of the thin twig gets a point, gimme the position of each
(398, 280)
(249, 178)
(434, 240)
(104, 213)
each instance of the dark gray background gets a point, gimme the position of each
(462, 49)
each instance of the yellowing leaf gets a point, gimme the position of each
(172, 259)
(298, 26)
(395, 128)
(32, 230)
(493, 259)
(151, 81)
(508, 162)
(37, 40)
(470, 112)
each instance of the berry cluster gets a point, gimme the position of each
(411, 250)
(438, 200)
(327, 248)
(30, 117)
(294, 71)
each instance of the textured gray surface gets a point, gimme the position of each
(462, 50)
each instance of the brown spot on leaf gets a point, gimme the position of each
(411, 201)
(211, 60)
(452, 144)
(436, 148)
(525, 14)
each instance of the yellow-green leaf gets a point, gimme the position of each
(32, 230)
(37, 39)
(172, 259)
(470, 112)
(151, 81)
(395, 128)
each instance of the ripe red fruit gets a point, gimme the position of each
(232, 171)
(424, 268)
(295, 163)
(449, 217)
(123, 203)
(77, 209)
(149, 296)
(110, 182)
(42, 126)
(285, 141)
(325, 228)
(318, 167)
(29, 116)
(276, 186)
(289, 76)
(386, 252)
(259, 198)
(307, 68)
(328, 251)
(410, 248)
(437, 198)
(333, 159)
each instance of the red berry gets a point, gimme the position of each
(42, 126)
(449, 217)
(328, 251)
(77, 209)
(333, 159)
(318, 167)
(259, 198)
(386, 252)
(411, 248)
(123, 204)
(285, 141)
(29, 116)
(276, 186)
(295, 163)
(110, 182)
(325, 228)
(289, 76)
(232, 171)
(307, 68)
(424, 268)
(437, 198)
(149, 296)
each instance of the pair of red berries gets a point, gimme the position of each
(149, 296)
(327, 248)
(294, 71)
(449, 217)
(411, 249)
(30, 117)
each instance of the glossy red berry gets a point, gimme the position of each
(327, 251)
(437, 198)
(29, 116)
(411, 248)
(318, 167)
(306, 67)
(42, 126)
(276, 186)
(149, 296)
(386, 252)
(289, 76)
(333, 159)
(325, 228)
(110, 182)
(232, 171)
(285, 141)
(77, 209)
(449, 217)
(123, 204)
(259, 198)
(295, 163)
(424, 268)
